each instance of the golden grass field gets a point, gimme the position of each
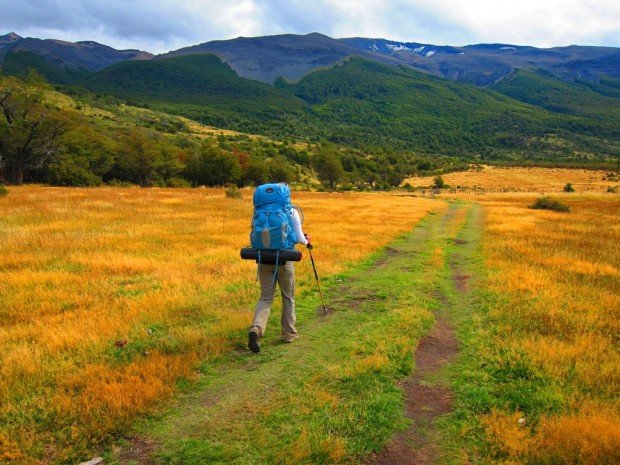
(546, 180)
(559, 275)
(156, 271)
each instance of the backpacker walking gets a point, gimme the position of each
(276, 227)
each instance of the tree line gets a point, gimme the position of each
(42, 141)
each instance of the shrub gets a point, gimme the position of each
(177, 182)
(569, 188)
(117, 183)
(612, 190)
(3, 191)
(67, 173)
(546, 203)
(438, 182)
(233, 192)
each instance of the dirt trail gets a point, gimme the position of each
(425, 399)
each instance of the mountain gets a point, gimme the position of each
(58, 60)
(559, 104)
(8, 39)
(544, 90)
(288, 56)
(201, 87)
(293, 56)
(358, 103)
(483, 64)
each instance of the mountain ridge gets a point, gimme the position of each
(87, 56)
(292, 56)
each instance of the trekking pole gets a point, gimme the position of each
(317, 279)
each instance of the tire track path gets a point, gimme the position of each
(426, 399)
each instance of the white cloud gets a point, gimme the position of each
(542, 23)
(162, 25)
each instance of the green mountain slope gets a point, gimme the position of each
(405, 108)
(544, 90)
(197, 86)
(18, 64)
(362, 104)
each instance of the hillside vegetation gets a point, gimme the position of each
(363, 104)
(546, 91)
(357, 125)
(84, 139)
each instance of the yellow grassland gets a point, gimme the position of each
(525, 179)
(156, 271)
(560, 274)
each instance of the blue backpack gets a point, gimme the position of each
(272, 226)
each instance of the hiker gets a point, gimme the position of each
(276, 225)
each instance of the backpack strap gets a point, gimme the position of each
(275, 271)
(259, 267)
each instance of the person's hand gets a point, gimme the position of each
(308, 245)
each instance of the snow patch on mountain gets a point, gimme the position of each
(396, 48)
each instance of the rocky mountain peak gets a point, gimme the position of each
(9, 38)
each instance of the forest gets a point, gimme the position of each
(359, 125)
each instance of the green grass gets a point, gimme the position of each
(485, 378)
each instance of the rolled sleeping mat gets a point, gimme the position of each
(269, 257)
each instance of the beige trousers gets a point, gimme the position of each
(286, 280)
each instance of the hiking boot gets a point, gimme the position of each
(290, 338)
(253, 344)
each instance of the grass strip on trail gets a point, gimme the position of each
(332, 395)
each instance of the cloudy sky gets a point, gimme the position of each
(159, 25)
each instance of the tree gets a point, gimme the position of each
(88, 157)
(279, 170)
(212, 166)
(31, 129)
(256, 173)
(138, 158)
(438, 182)
(329, 167)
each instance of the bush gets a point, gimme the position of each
(546, 203)
(117, 183)
(233, 192)
(438, 182)
(3, 191)
(67, 173)
(177, 182)
(569, 188)
(612, 190)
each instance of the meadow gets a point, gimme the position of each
(109, 297)
(543, 180)
(549, 344)
(114, 300)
